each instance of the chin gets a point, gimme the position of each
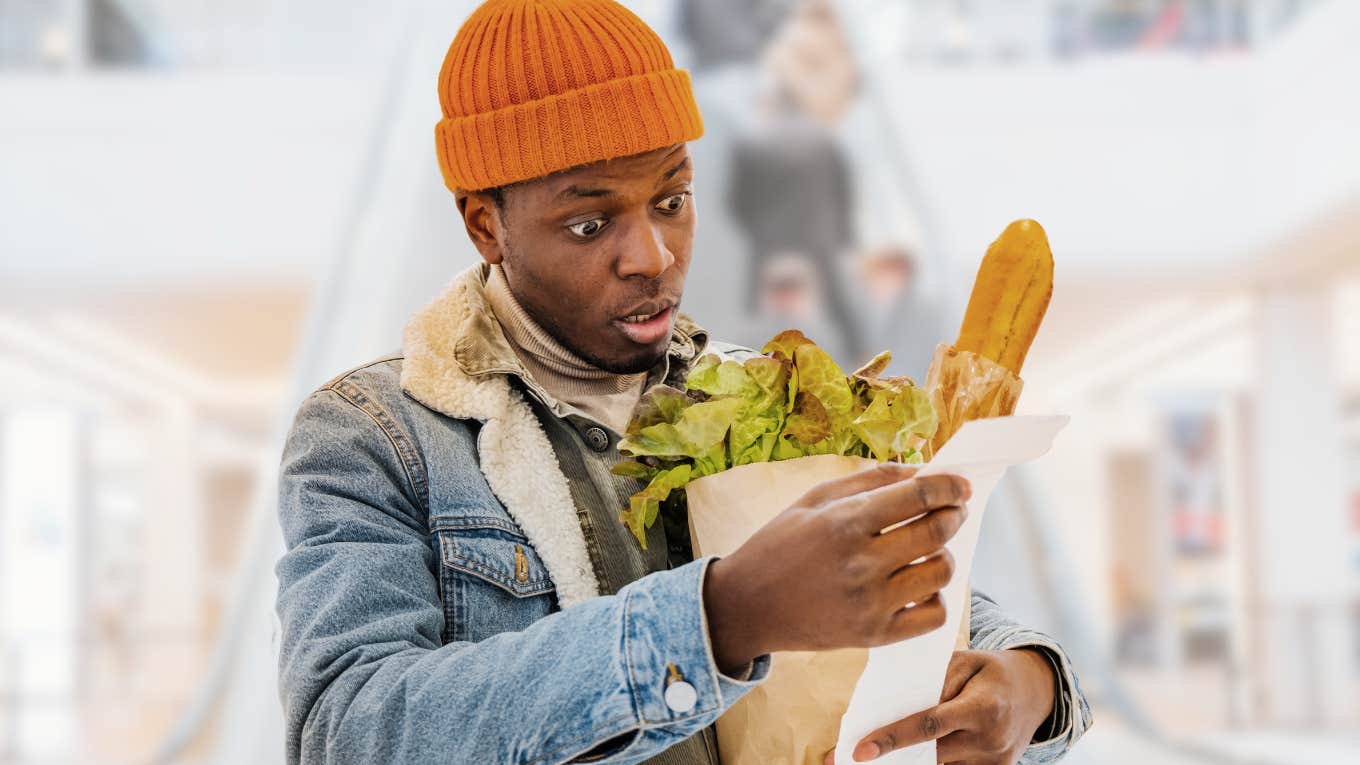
(631, 363)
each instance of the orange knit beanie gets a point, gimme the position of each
(530, 87)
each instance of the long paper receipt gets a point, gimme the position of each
(904, 678)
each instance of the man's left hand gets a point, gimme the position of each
(991, 705)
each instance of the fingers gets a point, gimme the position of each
(923, 726)
(963, 665)
(923, 536)
(892, 503)
(927, 615)
(921, 581)
(883, 474)
(959, 746)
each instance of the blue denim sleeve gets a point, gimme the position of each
(363, 674)
(990, 628)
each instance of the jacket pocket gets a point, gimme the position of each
(492, 580)
(496, 556)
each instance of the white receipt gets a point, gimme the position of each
(904, 678)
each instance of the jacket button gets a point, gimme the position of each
(681, 696)
(597, 439)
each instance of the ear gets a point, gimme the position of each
(482, 219)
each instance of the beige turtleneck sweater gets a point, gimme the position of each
(603, 396)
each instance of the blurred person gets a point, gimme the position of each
(726, 40)
(457, 585)
(789, 298)
(790, 185)
(896, 313)
(725, 32)
(810, 56)
(789, 189)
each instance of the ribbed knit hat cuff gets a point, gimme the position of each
(617, 118)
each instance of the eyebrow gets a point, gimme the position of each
(586, 191)
(684, 163)
(575, 190)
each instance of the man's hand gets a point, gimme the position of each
(991, 705)
(821, 576)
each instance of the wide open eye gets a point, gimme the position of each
(587, 229)
(673, 203)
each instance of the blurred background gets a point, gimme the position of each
(207, 208)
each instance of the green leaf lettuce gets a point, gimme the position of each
(791, 401)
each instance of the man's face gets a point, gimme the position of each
(596, 255)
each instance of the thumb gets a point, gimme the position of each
(962, 666)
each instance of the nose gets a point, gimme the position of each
(645, 253)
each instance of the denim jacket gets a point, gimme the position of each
(436, 598)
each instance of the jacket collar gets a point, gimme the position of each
(459, 363)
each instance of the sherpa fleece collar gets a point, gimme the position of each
(458, 362)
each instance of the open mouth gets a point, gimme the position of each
(647, 328)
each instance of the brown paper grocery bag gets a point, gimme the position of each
(793, 717)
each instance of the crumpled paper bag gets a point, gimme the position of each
(796, 715)
(964, 386)
(793, 717)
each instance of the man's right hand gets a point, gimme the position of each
(821, 576)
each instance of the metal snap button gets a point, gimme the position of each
(680, 696)
(597, 439)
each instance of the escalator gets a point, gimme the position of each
(367, 292)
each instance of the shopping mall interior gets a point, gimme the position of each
(208, 208)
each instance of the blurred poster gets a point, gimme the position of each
(1197, 616)
(1195, 483)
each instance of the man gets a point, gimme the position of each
(458, 587)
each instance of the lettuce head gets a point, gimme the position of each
(790, 401)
